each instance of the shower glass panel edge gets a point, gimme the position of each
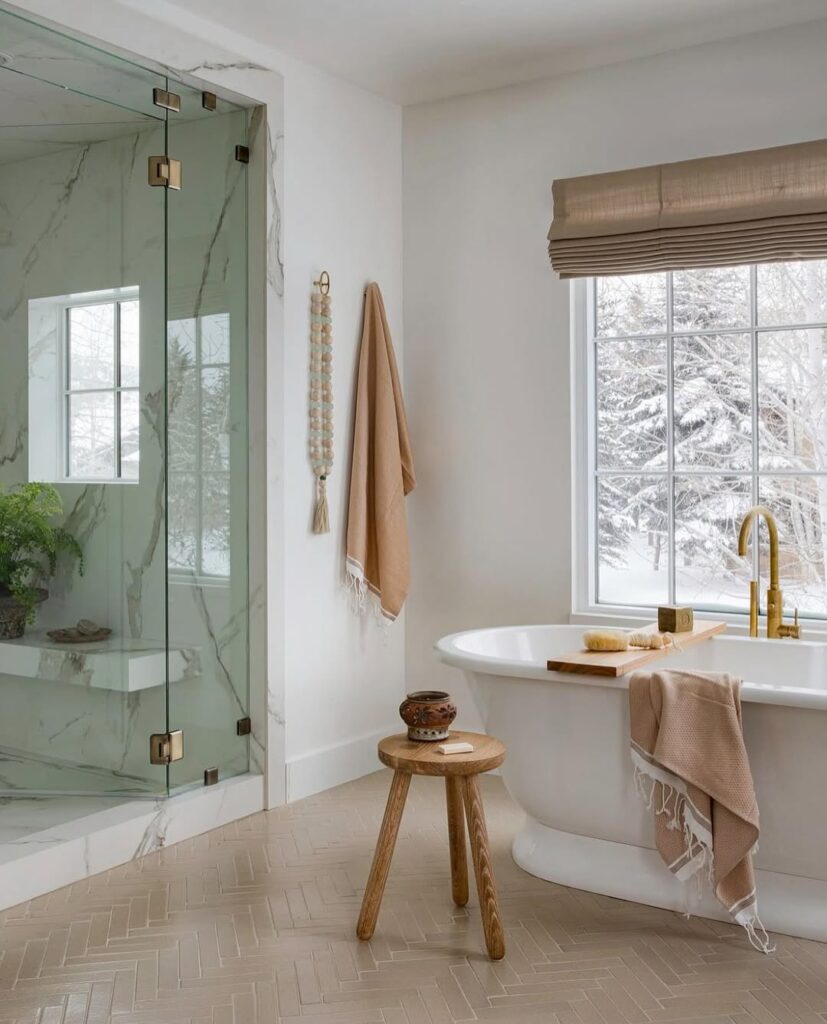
(207, 438)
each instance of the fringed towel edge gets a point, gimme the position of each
(359, 589)
(674, 801)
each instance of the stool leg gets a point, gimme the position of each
(382, 855)
(478, 834)
(456, 840)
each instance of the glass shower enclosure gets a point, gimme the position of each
(123, 421)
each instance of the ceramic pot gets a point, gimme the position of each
(13, 614)
(428, 715)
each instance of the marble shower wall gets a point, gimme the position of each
(84, 219)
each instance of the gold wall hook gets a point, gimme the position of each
(323, 284)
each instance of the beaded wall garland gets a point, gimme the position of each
(321, 398)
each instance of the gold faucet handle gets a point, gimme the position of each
(793, 631)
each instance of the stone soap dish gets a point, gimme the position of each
(85, 632)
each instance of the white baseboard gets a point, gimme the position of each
(331, 766)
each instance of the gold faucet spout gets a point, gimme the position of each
(772, 527)
(775, 601)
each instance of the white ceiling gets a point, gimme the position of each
(417, 50)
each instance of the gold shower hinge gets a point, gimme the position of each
(167, 100)
(166, 747)
(164, 171)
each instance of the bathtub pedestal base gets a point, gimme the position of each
(789, 904)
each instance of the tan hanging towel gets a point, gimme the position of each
(382, 470)
(692, 769)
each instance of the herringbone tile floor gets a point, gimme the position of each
(254, 924)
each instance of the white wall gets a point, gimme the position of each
(487, 323)
(343, 202)
(334, 681)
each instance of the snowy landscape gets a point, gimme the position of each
(711, 396)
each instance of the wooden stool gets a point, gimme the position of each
(408, 758)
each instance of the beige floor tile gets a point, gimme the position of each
(254, 924)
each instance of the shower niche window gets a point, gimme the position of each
(84, 387)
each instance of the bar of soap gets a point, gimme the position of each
(455, 748)
(675, 620)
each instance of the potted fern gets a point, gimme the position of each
(29, 548)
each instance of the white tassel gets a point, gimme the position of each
(321, 517)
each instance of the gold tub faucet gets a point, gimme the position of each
(776, 627)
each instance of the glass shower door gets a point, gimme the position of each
(82, 410)
(207, 445)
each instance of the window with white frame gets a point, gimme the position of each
(704, 392)
(84, 377)
(198, 480)
(102, 359)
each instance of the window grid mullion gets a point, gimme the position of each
(745, 329)
(591, 327)
(692, 471)
(670, 439)
(756, 490)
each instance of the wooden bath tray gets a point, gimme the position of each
(618, 663)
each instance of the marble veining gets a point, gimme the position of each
(275, 261)
(153, 836)
(234, 176)
(215, 65)
(56, 218)
(152, 413)
(219, 643)
(22, 818)
(10, 452)
(27, 775)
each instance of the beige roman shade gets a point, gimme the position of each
(756, 207)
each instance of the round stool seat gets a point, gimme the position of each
(404, 755)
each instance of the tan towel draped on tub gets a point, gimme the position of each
(692, 769)
(382, 470)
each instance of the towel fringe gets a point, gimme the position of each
(756, 933)
(357, 590)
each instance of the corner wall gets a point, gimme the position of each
(487, 323)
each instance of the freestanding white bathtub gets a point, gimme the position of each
(568, 766)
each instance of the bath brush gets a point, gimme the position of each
(606, 640)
